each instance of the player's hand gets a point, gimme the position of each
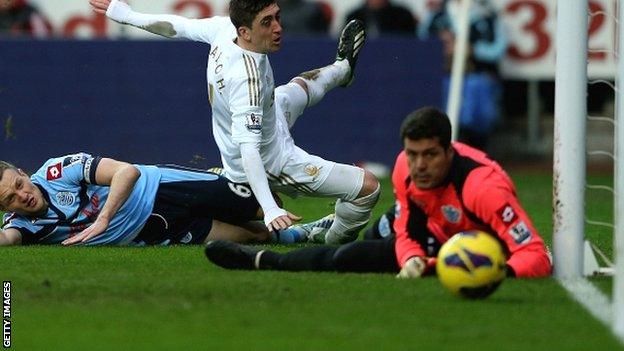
(414, 267)
(95, 229)
(283, 222)
(100, 6)
(116, 10)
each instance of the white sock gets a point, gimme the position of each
(351, 217)
(322, 80)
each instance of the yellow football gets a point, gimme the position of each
(471, 264)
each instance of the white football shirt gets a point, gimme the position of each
(241, 91)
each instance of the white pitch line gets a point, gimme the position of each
(590, 297)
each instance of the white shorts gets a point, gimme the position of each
(310, 175)
(305, 174)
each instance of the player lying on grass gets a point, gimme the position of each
(81, 199)
(441, 188)
(251, 117)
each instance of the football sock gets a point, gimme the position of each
(322, 80)
(351, 216)
(288, 236)
(268, 260)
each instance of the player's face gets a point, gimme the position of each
(266, 30)
(428, 161)
(18, 194)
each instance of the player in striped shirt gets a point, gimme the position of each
(251, 117)
(87, 200)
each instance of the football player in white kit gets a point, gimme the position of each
(251, 118)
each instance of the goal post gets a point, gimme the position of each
(569, 169)
(569, 139)
(618, 241)
(454, 99)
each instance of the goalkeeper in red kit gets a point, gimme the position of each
(441, 188)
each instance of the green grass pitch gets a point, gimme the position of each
(171, 298)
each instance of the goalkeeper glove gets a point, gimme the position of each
(414, 267)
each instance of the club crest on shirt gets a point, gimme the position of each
(54, 172)
(451, 213)
(312, 170)
(254, 123)
(65, 198)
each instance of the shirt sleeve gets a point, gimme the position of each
(245, 103)
(491, 197)
(76, 168)
(171, 26)
(256, 175)
(405, 247)
(203, 30)
(27, 230)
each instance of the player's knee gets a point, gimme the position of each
(370, 185)
(314, 90)
(300, 82)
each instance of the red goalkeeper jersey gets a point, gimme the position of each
(477, 194)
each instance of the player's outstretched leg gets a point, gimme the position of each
(236, 256)
(231, 255)
(319, 81)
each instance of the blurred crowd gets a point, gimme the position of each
(19, 18)
(300, 17)
(383, 18)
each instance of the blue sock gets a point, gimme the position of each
(287, 236)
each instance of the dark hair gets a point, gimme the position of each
(425, 123)
(4, 166)
(243, 12)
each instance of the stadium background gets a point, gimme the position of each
(147, 83)
(144, 100)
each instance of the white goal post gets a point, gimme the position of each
(569, 139)
(618, 243)
(570, 154)
(454, 99)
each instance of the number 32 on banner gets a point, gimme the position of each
(536, 28)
